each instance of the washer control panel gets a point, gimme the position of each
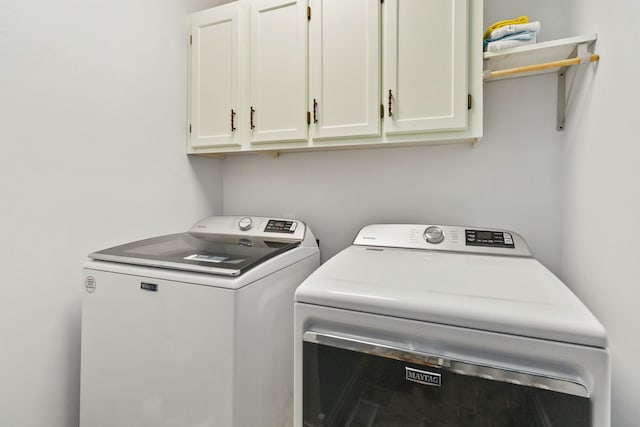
(490, 239)
(280, 226)
(252, 226)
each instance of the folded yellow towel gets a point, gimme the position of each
(499, 24)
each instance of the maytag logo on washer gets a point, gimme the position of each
(423, 377)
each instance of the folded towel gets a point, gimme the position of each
(530, 36)
(505, 44)
(514, 28)
(496, 25)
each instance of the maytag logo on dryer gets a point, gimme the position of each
(368, 237)
(423, 377)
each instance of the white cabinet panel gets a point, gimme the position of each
(278, 70)
(215, 76)
(345, 68)
(426, 65)
(151, 351)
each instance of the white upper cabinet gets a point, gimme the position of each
(278, 75)
(344, 59)
(215, 77)
(278, 71)
(425, 68)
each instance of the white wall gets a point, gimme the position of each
(602, 196)
(511, 179)
(92, 130)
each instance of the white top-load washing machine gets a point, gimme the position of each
(194, 329)
(421, 325)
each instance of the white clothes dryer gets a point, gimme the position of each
(421, 325)
(194, 329)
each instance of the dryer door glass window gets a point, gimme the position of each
(347, 388)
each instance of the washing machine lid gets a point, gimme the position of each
(506, 294)
(222, 245)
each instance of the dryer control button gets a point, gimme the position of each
(245, 223)
(433, 235)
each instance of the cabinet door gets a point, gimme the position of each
(215, 76)
(426, 65)
(345, 68)
(278, 70)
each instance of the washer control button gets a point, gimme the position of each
(245, 223)
(433, 235)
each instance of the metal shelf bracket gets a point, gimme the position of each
(564, 92)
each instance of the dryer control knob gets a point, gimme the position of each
(245, 223)
(433, 235)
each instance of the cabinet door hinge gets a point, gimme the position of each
(190, 39)
(308, 117)
(189, 127)
(309, 13)
(382, 111)
(469, 101)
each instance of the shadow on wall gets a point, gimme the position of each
(207, 174)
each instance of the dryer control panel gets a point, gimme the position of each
(443, 238)
(491, 239)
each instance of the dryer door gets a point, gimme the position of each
(350, 382)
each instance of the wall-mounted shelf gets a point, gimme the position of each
(555, 56)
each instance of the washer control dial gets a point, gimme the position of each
(245, 223)
(433, 235)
